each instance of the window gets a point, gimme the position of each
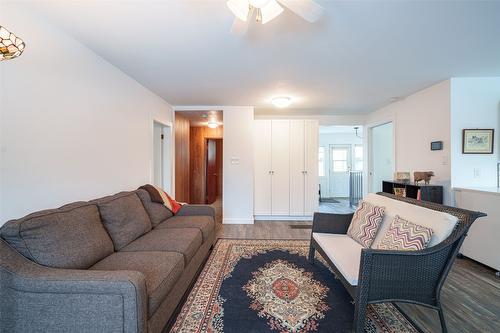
(358, 157)
(321, 159)
(340, 158)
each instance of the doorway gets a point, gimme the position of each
(381, 155)
(162, 156)
(198, 158)
(340, 160)
(213, 169)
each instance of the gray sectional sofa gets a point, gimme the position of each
(117, 264)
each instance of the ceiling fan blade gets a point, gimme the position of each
(307, 9)
(270, 11)
(239, 27)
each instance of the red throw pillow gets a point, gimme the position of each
(158, 195)
(170, 203)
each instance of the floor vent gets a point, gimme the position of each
(301, 226)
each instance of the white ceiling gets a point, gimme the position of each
(358, 56)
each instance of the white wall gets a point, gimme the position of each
(475, 103)
(73, 126)
(418, 120)
(238, 174)
(323, 120)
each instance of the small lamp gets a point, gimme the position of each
(11, 46)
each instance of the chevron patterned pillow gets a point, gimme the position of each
(365, 223)
(406, 236)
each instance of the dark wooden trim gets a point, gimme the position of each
(479, 129)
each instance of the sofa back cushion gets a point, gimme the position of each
(157, 212)
(442, 224)
(124, 217)
(68, 237)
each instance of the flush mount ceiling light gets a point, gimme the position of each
(212, 123)
(281, 101)
(11, 46)
(266, 10)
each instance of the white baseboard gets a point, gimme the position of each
(282, 218)
(238, 221)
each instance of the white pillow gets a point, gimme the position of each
(441, 223)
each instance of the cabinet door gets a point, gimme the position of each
(311, 130)
(280, 167)
(262, 167)
(297, 167)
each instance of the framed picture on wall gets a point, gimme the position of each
(477, 141)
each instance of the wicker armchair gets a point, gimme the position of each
(398, 276)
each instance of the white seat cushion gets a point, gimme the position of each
(442, 224)
(344, 252)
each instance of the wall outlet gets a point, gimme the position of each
(444, 160)
(477, 173)
(235, 161)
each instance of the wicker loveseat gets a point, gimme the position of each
(392, 276)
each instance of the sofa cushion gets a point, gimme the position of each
(124, 217)
(186, 241)
(68, 237)
(365, 223)
(204, 223)
(403, 235)
(344, 252)
(157, 211)
(442, 224)
(161, 270)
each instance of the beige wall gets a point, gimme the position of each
(73, 126)
(418, 120)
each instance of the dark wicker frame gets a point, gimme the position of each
(398, 276)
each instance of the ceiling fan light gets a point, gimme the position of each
(259, 3)
(239, 8)
(281, 101)
(270, 11)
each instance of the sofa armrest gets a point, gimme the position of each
(331, 223)
(39, 298)
(392, 275)
(191, 210)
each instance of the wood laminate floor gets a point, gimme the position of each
(470, 296)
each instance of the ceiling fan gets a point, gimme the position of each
(266, 10)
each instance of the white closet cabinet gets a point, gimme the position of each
(286, 168)
(262, 168)
(280, 167)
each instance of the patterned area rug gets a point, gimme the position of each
(269, 286)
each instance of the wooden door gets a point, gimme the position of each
(211, 171)
(262, 167)
(311, 187)
(297, 167)
(280, 196)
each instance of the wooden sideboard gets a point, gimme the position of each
(432, 193)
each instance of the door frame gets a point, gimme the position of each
(167, 153)
(368, 161)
